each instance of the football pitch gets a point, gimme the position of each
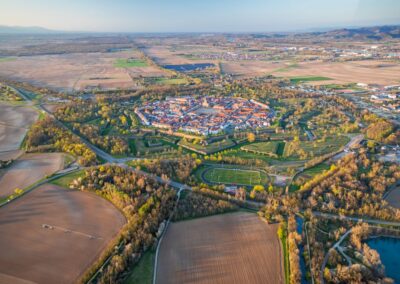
(236, 176)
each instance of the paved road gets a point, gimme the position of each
(102, 154)
(172, 183)
(349, 218)
(357, 219)
(354, 141)
(335, 246)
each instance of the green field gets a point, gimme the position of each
(316, 169)
(171, 81)
(149, 145)
(264, 148)
(318, 147)
(296, 80)
(249, 156)
(235, 176)
(207, 149)
(289, 67)
(6, 59)
(67, 179)
(126, 63)
(142, 273)
(307, 175)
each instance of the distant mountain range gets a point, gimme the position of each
(363, 33)
(25, 30)
(373, 33)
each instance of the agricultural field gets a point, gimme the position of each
(129, 62)
(60, 224)
(303, 79)
(318, 72)
(6, 59)
(238, 248)
(367, 71)
(14, 124)
(29, 169)
(163, 55)
(247, 69)
(235, 176)
(168, 81)
(80, 71)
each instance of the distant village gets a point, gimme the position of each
(205, 115)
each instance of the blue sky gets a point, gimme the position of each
(197, 15)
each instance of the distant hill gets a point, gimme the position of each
(24, 30)
(374, 33)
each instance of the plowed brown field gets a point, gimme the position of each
(14, 123)
(29, 169)
(228, 248)
(79, 227)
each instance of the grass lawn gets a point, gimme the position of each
(236, 176)
(318, 147)
(264, 148)
(207, 149)
(283, 240)
(296, 80)
(67, 179)
(142, 273)
(126, 63)
(280, 149)
(147, 146)
(307, 175)
(317, 169)
(249, 156)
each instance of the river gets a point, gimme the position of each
(303, 266)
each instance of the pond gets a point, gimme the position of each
(389, 249)
(188, 67)
(303, 266)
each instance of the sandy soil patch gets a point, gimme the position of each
(60, 255)
(228, 248)
(28, 169)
